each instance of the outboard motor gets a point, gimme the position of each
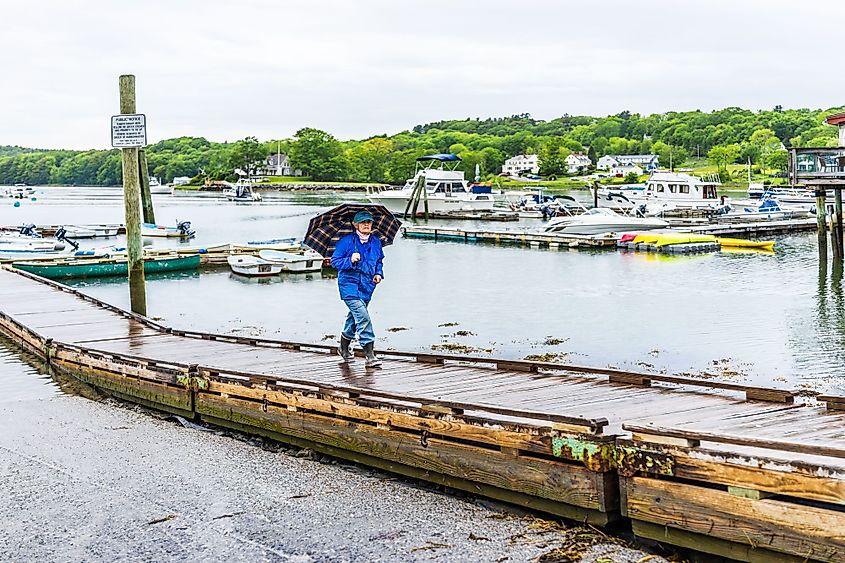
(185, 228)
(61, 234)
(641, 210)
(29, 231)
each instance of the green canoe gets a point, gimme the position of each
(94, 268)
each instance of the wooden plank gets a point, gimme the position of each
(494, 433)
(798, 447)
(803, 531)
(776, 476)
(707, 544)
(545, 479)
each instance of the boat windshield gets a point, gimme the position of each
(709, 192)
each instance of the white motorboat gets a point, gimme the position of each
(600, 220)
(181, 230)
(242, 191)
(310, 261)
(446, 190)
(666, 191)
(246, 265)
(18, 191)
(99, 230)
(767, 209)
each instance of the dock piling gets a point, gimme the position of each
(131, 201)
(821, 220)
(146, 196)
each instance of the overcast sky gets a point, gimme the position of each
(226, 69)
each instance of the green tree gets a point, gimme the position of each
(721, 156)
(765, 142)
(368, 161)
(631, 178)
(319, 154)
(778, 160)
(553, 155)
(668, 155)
(248, 155)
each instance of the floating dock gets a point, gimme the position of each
(527, 238)
(746, 472)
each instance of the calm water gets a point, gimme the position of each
(770, 319)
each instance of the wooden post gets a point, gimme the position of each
(821, 221)
(131, 202)
(146, 196)
(837, 213)
(595, 194)
(425, 199)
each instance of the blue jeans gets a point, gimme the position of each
(358, 323)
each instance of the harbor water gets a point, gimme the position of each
(752, 318)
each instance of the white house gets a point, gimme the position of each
(278, 165)
(623, 170)
(520, 164)
(577, 162)
(647, 162)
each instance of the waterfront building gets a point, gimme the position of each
(521, 164)
(278, 165)
(648, 162)
(578, 162)
(623, 170)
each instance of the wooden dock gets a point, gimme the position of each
(503, 236)
(750, 473)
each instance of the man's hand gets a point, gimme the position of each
(355, 258)
(377, 279)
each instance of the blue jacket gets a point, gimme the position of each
(355, 281)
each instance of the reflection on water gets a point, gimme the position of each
(749, 317)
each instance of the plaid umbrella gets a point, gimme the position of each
(325, 230)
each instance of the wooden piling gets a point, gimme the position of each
(838, 251)
(821, 221)
(131, 201)
(146, 196)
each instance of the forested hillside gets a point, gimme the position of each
(724, 136)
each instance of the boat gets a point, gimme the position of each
(309, 261)
(242, 191)
(156, 187)
(446, 189)
(74, 267)
(18, 191)
(768, 209)
(251, 266)
(181, 230)
(601, 220)
(667, 191)
(664, 239)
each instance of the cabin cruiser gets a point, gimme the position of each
(666, 191)
(601, 220)
(242, 191)
(18, 191)
(445, 189)
(156, 187)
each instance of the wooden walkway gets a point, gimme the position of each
(739, 471)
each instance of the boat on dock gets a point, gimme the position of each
(600, 220)
(309, 261)
(446, 189)
(181, 230)
(74, 267)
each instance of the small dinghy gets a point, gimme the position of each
(181, 230)
(251, 266)
(310, 261)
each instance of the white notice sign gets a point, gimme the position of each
(129, 131)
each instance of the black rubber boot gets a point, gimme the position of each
(345, 349)
(372, 361)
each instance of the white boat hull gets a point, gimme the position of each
(396, 202)
(308, 262)
(253, 267)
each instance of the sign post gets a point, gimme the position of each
(129, 133)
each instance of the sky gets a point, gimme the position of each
(224, 70)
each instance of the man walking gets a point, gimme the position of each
(358, 259)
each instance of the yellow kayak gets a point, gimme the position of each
(666, 239)
(742, 243)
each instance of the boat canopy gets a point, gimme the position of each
(441, 157)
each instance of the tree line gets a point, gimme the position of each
(726, 136)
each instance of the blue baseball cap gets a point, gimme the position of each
(362, 216)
